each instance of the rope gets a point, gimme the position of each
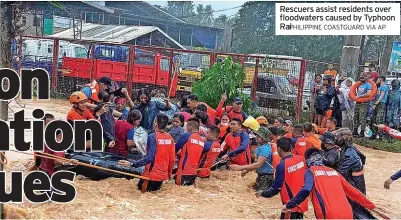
(4, 159)
(380, 214)
(53, 157)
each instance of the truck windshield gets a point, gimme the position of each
(80, 52)
(164, 64)
(284, 85)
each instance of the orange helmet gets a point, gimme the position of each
(77, 97)
(262, 120)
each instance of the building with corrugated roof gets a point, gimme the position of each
(49, 17)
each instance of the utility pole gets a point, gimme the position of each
(6, 20)
(350, 56)
(386, 54)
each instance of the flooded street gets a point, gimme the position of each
(225, 195)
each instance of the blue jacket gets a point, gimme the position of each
(323, 100)
(149, 112)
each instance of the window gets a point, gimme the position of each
(37, 21)
(80, 52)
(164, 64)
(23, 20)
(50, 48)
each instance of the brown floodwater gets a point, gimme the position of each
(225, 195)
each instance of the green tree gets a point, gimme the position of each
(180, 9)
(224, 77)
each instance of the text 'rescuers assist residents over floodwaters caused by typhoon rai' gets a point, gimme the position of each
(337, 18)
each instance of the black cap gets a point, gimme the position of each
(105, 80)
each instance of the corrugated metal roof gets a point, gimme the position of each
(113, 33)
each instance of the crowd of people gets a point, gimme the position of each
(370, 106)
(187, 141)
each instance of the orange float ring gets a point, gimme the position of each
(352, 93)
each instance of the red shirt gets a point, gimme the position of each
(47, 165)
(375, 76)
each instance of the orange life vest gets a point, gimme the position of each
(94, 86)
(208, 158)
(295, 167)
(300, 147)
(327, 196)
(162, 167)
(275, 157)
(189, 157)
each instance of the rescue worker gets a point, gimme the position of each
(234, 111)
(264, 163)
(379, 106)
(92, 90)
(361, 108)
(394, 105)
(237, 143)
(79, 111)
(328, 189)
(251, 125)
(190, 147)
(124, 131)
(351, 167)
(210, 152)
(331, 152)
(298, 142)
(289, 179)
(160, 157)
(397, 135)
(312, 140)
(331, 125)
(288, 127)
(393, 178)
(274, 134)
(193, 102)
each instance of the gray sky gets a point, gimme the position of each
(216, 5)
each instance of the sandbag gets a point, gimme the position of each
(101, 159)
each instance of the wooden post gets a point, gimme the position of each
(350, 56)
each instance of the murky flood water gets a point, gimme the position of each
(225, 195)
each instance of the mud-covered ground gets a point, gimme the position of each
(225, 195)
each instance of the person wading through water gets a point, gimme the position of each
(160, 157)
(264, 161)
(326, 185)
(288, 180)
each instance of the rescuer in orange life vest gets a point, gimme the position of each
(288, 180)
(234, 111)
(210, 152)
(328, 189)
(160, 157)
(190, 145)
(298, 141)
(80, 112)
(237, 142)
(92, 90)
